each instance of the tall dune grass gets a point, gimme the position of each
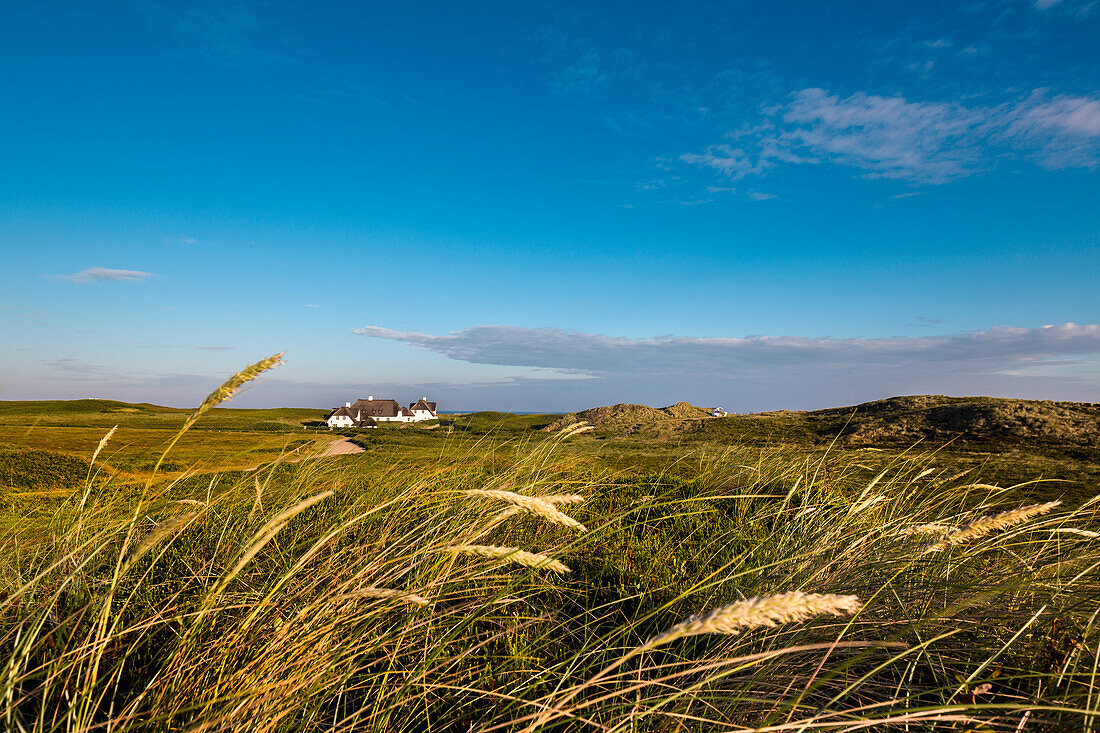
(356, 594)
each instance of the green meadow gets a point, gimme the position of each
(209, 570)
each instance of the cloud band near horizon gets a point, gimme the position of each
(993, 351)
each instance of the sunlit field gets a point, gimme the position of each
(517, 584)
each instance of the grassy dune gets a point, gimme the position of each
(521, 586)
(56, 432)
(106, 413)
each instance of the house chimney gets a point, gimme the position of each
(370, 398)
(347, 404)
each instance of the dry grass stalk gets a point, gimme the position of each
(224, 392)
(570, 429)
(258, 504)
(505, 513)
(760, 611)
(943, 481)
(866, 503)
(230, 386)
(388, 594)
(552, 498)
(513, 554)
(154, 536)
(88, 478)
(534, 505)
(103, 442)
(981, 527)
(930, 528)
(563, 498)
(260, 540)
(1075, 530)
(1093, 500)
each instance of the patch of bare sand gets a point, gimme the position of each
(342, 447)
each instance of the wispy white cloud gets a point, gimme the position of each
(732, 163)
(886, 136)
(105, 274)
(1063, 131)
(917, 141)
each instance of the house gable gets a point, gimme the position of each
(423, 405)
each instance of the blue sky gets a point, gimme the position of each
(531, 206)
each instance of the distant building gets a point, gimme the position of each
(718, 412)
(423, 410)
(369, 412)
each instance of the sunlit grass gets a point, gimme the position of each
(411, 593)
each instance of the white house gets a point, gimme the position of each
(342, 417)
(423, 410)
(718, 412)
(369, 412)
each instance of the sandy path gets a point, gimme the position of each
(342, 447)
(339, 447)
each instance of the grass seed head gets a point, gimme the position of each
(1074, 530)
(532, 504)
(760, 611)
(230, 386)
(573, 428)
(513, 554)
(103, 442)
(563, 498)
(985, 525)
